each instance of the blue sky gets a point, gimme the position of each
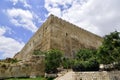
(20, 19)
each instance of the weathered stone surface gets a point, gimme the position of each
(56, 33)
(104, 75)
(33, 67)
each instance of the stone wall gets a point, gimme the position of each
(98, 75)
(56, 33)
(113, 75)
(41, 40)
(33, 67)
(91, 76)
(70, 38)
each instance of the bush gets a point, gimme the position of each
(78, 66)
(10, 60)
(86, 60)
(91, 65)
(117, 66)
(67, 63)
(53, 61)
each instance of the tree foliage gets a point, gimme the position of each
(53, 60)
(67, 63)
(85, 54)
(109, 52)
(91, 65)
(85, 60)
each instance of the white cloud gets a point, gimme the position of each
(8, 45)
(2, 30)
(24, 2)
(22, 18)
(53, 6)
(100, 17)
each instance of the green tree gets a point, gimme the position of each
(85, 54)
(86, 60)
(53, 60)
(109, 52)
(67, 63)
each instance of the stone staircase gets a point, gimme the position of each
(64, 75)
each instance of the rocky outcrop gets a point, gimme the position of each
(34, 66)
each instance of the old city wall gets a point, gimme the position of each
(69, 38)
(40, 40)
(56, 33)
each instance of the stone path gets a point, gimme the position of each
(67, 76)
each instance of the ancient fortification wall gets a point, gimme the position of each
(56, 33)
(41, 40)
(70, 38)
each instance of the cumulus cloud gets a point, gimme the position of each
(53, 6)
(8, 45)
(99, 17)
(24, 2)
(2, 30)
(22, 18)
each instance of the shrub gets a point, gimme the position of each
(53, 60)
(86, 60)
(67, 63)
(10, 60)
(117, 66)
(91, 65)
(78, 66)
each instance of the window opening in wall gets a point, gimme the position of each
(45, 27)
(66, 34)
(80, 79)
